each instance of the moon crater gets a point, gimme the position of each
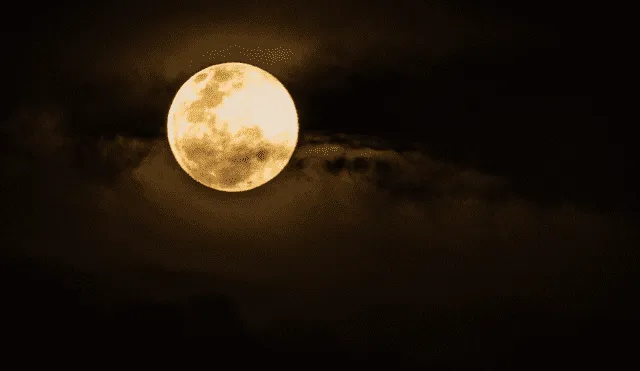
(232, 127)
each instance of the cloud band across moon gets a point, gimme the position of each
(350, 220)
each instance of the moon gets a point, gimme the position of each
(232, 127)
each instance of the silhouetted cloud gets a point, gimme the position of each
(362, 233)
(361, 240)
(349, 217)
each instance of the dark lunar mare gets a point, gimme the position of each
(251, 151)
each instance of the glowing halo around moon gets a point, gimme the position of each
(232, 127)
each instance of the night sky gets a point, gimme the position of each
(462, 194)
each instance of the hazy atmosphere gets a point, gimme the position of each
(460, 195)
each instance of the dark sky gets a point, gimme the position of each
(461, 194)
(540, 81)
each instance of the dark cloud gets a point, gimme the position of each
(291, 40)
(416, 238)
(378, 247)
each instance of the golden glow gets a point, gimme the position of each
(232, 127)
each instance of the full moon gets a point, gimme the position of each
(232, 127)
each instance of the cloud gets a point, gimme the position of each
(356, 232)
(406, 229)
(35, 131)
(292, 40)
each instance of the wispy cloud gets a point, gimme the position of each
(352, 224)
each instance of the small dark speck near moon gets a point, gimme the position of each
(335, 166)
(360, 164)
(383, 167)
(300, 164)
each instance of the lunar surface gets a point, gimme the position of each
(232, 127)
